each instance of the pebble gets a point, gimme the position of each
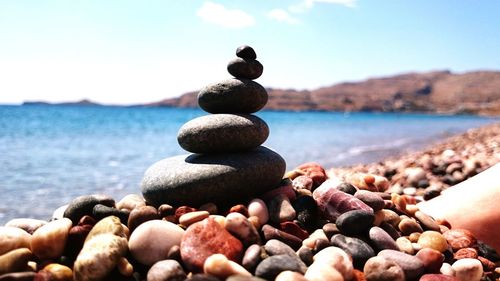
(336, 258)
(202, 277)
(391, 217)
(166, 270)
(314, 171)
(218, 178)
(18, 276)
(381, 239)
(243, 278)
(347, 188)
(15, 260)
(302, 182)
(330, 229)
(205, 238)
(26, 224)
(437, 277)
(447, 269)
(84, 205)
(130, 202)
(354, 222)
(12, 238)
(58, 272)
(407, 226)
(246, 52)
(405, 245)
(411, 265)
(306, 255)
(294, 229)
(141, 215)
(222, 133)
(380, 269)
(468, 269)
(280, 209)
(99, 256)
(332, 202)
(427, 221)
(319, 272)
(311, 241)
(218, 265)
(460, 238)
(414, 175)
(151, 241)
(271, 232)
(306, 211)
(270, 267)
(49, 240)
(210, 207)
(465, 253)
(192, 217)
(108, 225)
(239, 226)
(252, 257)
(257, 207)
(233, 96)
(432, 259)
(290, 276)
(359, 250)
(391, 230)
(245, 69)
(101, 211)
(434, 240)
(275, 247)
(371, 199)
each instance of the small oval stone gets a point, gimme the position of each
(275, 247)
(380, 269)
(239, 226)
(271, 232)
(222, 133)
(405, 245)
(252, 257)
(371, 199)
(381, 239)
(280, 209)
(218, 265)
(152, 240)
(468, 269)
(411, 265)
(233, 96)
(314, 171)
(12, 238)
(354, 222)
(306, 255)
(101, 211)
(166, 270)
(460, 238)
(408, 226)
(427, 221)
(465, 253)
(306, 211)
(246, 52)
(258, 208)
(205, 238)
(130, 202)
(359, 250)
(270, 267)
(192, 217)
(140, 215)
(432, 259)
(434, 240)
(59, 272)
(336, 258)
(49, 240)
(245, 68)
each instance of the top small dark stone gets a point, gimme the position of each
(246, 52)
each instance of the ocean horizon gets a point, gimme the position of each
(52, 154)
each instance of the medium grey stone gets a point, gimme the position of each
(84, 205)
(219, 178)
(411, 265)
(354, 222)
(223, 133)
(359, 250)
(166, 270)
(247, 69)
(233, 96)
(272, 266)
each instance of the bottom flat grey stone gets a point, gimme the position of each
(219, 178)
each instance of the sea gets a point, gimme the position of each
(52, 154)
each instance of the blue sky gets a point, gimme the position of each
(126, 52)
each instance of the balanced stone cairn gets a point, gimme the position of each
(228, 163)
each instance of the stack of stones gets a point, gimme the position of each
(228, 163)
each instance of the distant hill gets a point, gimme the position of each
(81, 102)
(434, 92)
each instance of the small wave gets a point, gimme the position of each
(362, 149)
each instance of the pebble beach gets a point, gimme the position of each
(196, 219)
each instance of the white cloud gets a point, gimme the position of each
(282, 16)
(347, 3)
(220, 15)
(308, 4)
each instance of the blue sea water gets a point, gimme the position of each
(51, 154)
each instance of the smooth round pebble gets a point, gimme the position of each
(151, 241)
(130, 202)
(446, 269)
(354, 222)
(12, 238)
(140, 215)
(381, 269)
(252, 257)
(408, 226)
(405, 245)
(258, 208)
(371, 199)
(381, 239)
(49, 240)
(246, 52)
(59, 272)
(275, 247)
(359, 250)
(15, 260)
(246, 69)
(189, 218)
(239, 226)
(270, 267)
(468, 269)
(166, 270)
(427, 221)
(84, 205)
(434, 240)
(218, 265)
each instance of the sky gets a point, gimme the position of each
(130, 52)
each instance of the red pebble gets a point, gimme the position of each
(314, 171)
(460, 238)
(294, 229)
(287, 238)
(432, 259)
(465, 253)
(239, 209)
(205, 238)
(183, 210)
(358, 275)
(487, 264)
